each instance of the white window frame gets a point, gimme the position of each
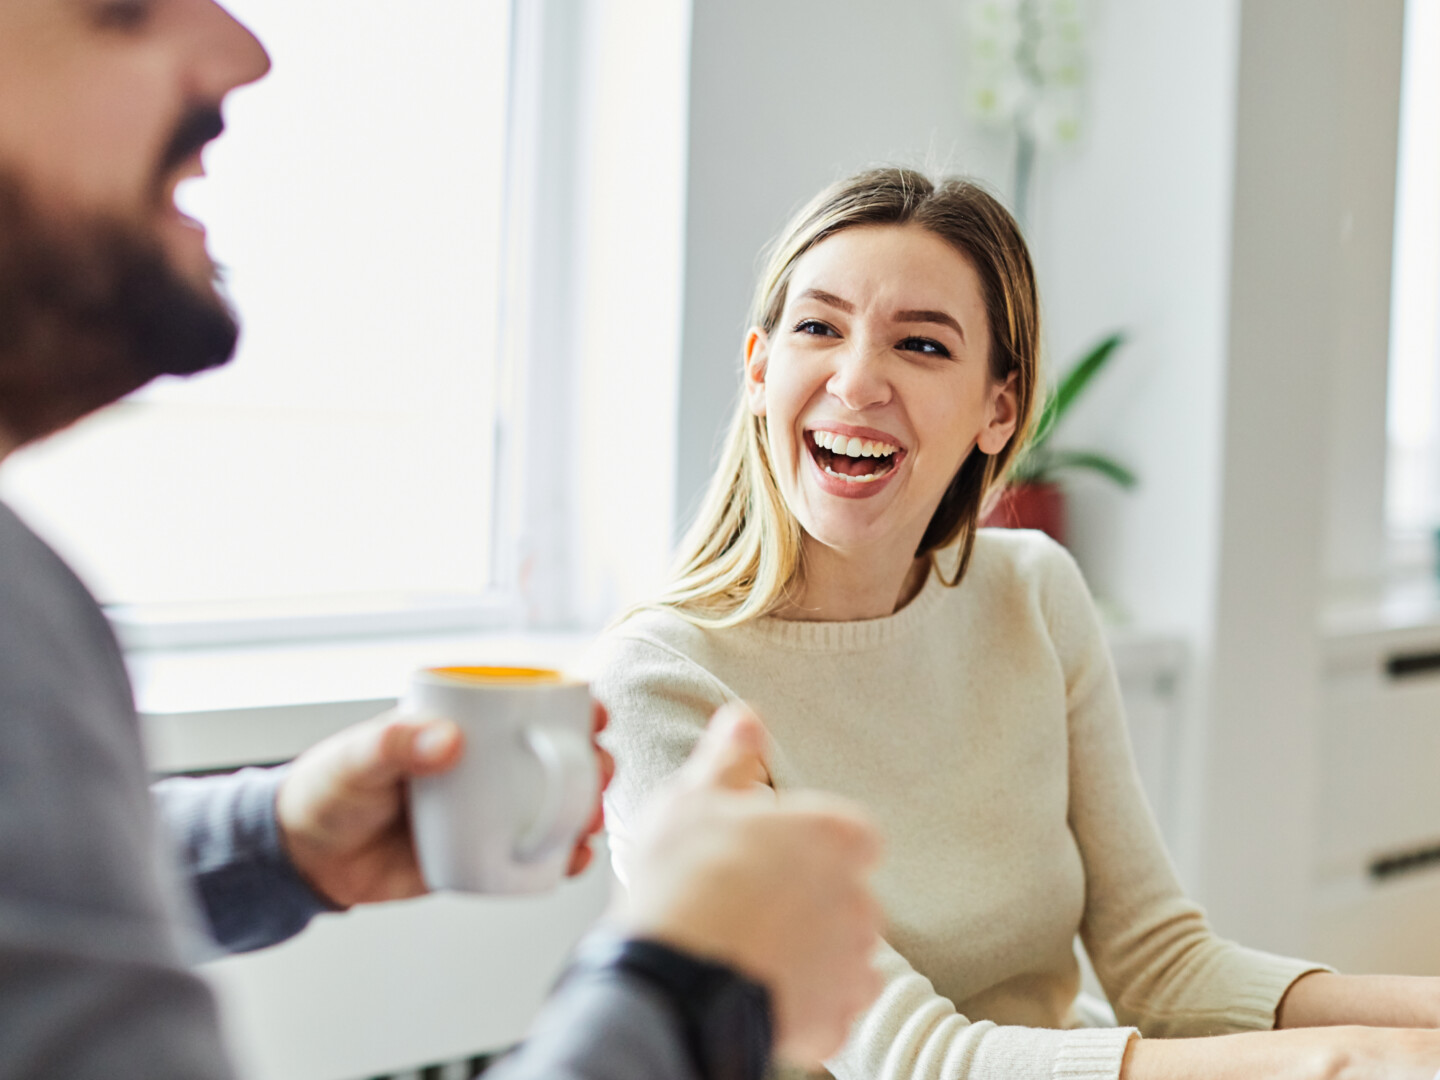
(565, 555)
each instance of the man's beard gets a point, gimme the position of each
(91, 310)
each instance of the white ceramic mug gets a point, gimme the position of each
(508, 816)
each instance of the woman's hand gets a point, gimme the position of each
(1320, 999)
(1332, 1053)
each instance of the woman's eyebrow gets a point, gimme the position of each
(930, 317)
(828, 298)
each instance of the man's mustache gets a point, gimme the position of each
(201, 125)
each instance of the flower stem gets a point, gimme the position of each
(1027, 59)
(1024, 165)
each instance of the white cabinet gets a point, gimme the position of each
(1377, 896)
(386, 989)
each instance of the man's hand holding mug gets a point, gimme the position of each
(344, 808)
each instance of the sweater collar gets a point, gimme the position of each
(819, 636)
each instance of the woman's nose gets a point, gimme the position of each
(859, 381)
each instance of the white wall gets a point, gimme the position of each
(1131, 233)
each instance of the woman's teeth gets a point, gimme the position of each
(842, 457)
(852, 447)
(862, 478)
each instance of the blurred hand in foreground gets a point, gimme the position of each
(343, 808)
(776, 886)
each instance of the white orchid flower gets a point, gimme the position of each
(1026, 66)
(1053, 119)
(997, 97)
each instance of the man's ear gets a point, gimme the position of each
(757, 356)
(1003, 414)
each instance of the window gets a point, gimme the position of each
(454, 231)
(1413, 483)
(347, 457)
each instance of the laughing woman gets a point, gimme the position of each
(954, 680)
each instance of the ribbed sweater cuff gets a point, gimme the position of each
(1093, 1053)
(1253, 1005)
(1018, 1053)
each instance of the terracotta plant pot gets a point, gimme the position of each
(1030, 506)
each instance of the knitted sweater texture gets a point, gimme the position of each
(982, 728)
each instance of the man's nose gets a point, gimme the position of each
(225, 54)
(860, 380)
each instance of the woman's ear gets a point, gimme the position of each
(757, 355)
(1002, 414)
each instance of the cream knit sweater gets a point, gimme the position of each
(982, 728)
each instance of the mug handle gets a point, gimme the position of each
(571, 785)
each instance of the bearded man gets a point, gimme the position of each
(747, 912)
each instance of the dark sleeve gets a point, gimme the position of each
(228, 841)
(92, 982)
(606, 1025)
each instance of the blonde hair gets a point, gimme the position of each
(740, 557)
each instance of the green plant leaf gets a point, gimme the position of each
(1083, 459)
(1073, 384)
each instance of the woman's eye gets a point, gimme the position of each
(815, 328)
(927, 346)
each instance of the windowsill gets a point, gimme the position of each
(265, 623)
(1361, 630)
(219, 708)
(1404, 604)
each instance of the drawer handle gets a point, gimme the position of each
(1394, 865)
(1408, 665)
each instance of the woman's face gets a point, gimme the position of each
(875, 384)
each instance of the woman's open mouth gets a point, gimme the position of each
(852, 460)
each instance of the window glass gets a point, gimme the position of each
(1413, 486)
(355, 202)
